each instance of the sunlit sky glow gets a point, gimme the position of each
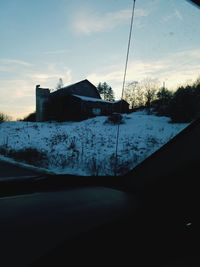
(42, 41)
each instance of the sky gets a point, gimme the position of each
(44, 40)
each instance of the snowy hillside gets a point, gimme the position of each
(88, 147)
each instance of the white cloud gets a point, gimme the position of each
(10, 65)
(17, 97)
(176, 14)
(175, 69)
(50, 76)
(17, 87)
(57, 52)
(17, 93)
(88, 21)
(8, 61)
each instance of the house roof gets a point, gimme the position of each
(70, 85)
(69, 88)
(92, 99)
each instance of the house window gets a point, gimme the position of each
(96, 111)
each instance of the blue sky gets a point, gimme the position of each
(42, 41)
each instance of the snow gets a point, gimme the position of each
(92, 99)
(88, 147)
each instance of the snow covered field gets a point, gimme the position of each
(88, 147)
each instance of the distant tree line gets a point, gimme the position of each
(4, 117)
(141, 94)
(185, 103)
(30, 117)
(181, 105)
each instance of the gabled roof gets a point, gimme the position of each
(73, 84)
(92, 99)
(69, 88)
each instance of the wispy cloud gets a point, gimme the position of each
(18, 91)
(176, 14)
(56, 52)
(175, 69)
(88, 21)
(17, 97)
(8, 61)
(18, 81)
(11, 65)
(48, 74)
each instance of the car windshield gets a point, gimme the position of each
(64, 109)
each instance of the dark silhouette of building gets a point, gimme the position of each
(74, 102)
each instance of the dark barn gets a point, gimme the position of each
(74, 102)
(75, 107)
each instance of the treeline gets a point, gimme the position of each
(4, 117)
(182, 105)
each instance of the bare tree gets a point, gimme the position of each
(149, 87)
(142, 93)
(4, 117)
(133, 94)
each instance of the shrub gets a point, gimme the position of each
(29, 155)
(3, 150)
(115, 118)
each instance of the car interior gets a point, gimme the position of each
(148, 217)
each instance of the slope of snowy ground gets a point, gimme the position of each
(88, 147)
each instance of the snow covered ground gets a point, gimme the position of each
(88, 147)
